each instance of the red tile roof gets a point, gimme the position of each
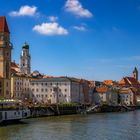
(13, 64)
(129, 81)
(3, 25)
(101, 89)
(108, 82)
(14, 67)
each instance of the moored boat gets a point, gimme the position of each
(13, 110)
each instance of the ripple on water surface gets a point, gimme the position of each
(104, 126)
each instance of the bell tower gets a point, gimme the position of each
(135, 73)
(5, 59)
(25, 59)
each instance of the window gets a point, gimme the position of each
(33, 90)
(37, 90)
(59, 95)
(50, 95)
(7, 92)
(65, 90)
(32, 84)
(42, 90)
(51, 84)
(46, 95)
(50, 90)
(42, 95)
(59, 90)
(42, 84)
(1, 37)
(65, 95)
(46, 89)
(46, 84)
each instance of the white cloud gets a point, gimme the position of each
(50, 29)
(53, 18)
(80, 28)
(25, 11)
(75, 7)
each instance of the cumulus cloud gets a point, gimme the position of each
(75, 7)
(80, 28)
(53, 18)
(50, 29)
(25, 11)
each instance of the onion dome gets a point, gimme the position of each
(25, 46)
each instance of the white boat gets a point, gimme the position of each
(13, 110)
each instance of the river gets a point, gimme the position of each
(104, 126)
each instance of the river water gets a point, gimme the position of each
(104, 126)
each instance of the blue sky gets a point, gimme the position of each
(91, 39)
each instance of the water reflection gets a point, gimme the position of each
(109, 126)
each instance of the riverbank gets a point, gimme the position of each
(75, 109)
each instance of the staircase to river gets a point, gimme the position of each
(91, 108)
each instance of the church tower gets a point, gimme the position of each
(25, 59)
(135, 73)
(5, 59)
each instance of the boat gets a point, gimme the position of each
(11, 110)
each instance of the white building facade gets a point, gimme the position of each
(57, 90)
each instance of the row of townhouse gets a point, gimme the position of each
(70, 90)
(116, 96)
(51, 90)
(124, 92)
(46, 89)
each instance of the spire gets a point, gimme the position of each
(135, 73)
(3, 25)
(135, 70)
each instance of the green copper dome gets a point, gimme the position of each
(25, 46)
